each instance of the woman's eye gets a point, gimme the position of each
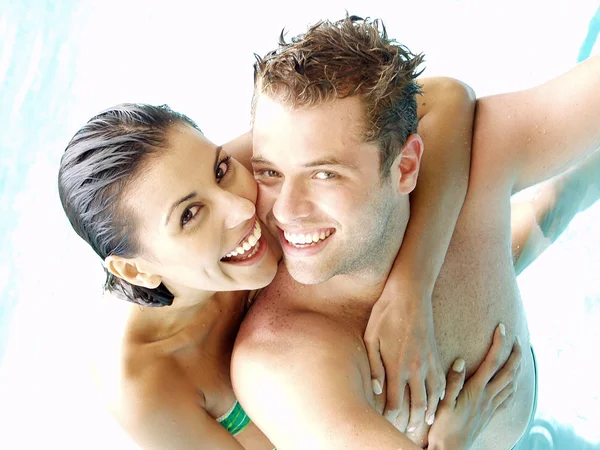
(223, 168)
(189, 214)
(324, 175)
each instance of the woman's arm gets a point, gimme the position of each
(539, 132)
(400, 335)
(540, 218)
(159, 412)
(240, 149)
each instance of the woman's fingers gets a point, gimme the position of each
(455, 381)
(418, 404)
(435, 387)
(493, 360)
(501, 397)
(376, 364)
(509, 372)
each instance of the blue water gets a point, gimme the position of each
(33, 84)
(62, 61)
(591, 37)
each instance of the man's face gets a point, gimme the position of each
(320, 190)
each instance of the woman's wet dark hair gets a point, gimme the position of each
(100, 160)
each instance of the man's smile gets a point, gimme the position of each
(304, 242)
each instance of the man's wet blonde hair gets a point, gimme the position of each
(335, 60)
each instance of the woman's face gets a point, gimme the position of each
(196, 223)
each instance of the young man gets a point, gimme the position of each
(335, 156)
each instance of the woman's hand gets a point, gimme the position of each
(468, 407)
(401, 346)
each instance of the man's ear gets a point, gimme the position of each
(129, 270)
(405, 168)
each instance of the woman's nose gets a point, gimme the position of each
(237, 210)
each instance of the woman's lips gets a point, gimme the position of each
(251, 257)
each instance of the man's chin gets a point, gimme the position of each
(305, 274)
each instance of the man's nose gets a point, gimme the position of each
(292, 203)
(237, 210)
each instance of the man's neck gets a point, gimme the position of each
(366, 287)
(359, 289)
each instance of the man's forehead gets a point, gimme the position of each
(331, 131)
(344, 111)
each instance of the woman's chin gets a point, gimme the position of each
(264, 275)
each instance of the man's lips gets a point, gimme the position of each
(305, 242)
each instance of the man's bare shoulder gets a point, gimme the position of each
(281, 322)
(293, 367)
(286, 328)
(284, 336)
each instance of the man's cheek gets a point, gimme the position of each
(264, 202)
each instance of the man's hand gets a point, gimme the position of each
(402, 351)
(468, 407)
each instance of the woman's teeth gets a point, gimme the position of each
(248, 247)
(308, 238)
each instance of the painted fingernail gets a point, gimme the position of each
(429, 420)
(502, 329)
(377, 389)
(458, 365)
(443, 394)
(411, 429)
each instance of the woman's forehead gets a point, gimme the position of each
(187, 165)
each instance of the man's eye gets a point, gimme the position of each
(267, 173)
(223, 168)
(324, 175)
(189, 214)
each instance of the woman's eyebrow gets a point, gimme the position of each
(177, 203)
(192, 194)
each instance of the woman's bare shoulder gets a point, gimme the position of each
(121, 365)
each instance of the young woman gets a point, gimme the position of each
(173, 218)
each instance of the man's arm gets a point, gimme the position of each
(532, 135)
(539, 219)
(301, 384)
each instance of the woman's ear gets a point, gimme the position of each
(407, 163)
(128, 270)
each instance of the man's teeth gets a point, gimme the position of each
(248, 244)
(308, 238)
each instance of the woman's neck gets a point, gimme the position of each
(186, 322)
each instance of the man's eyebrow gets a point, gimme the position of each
(331, 161)
(192, 194)
(261, 160)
